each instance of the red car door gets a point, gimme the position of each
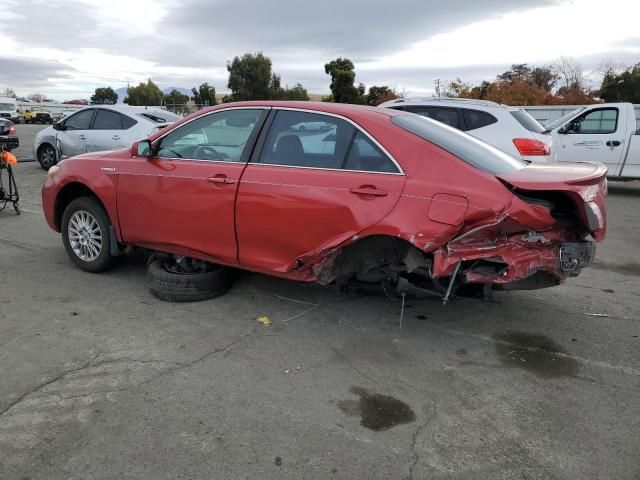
(182, 199)
(316, 181)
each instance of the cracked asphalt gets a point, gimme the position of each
(100, 380)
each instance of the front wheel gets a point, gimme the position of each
(85, 234)
(47, 156)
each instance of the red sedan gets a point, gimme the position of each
(331, 193)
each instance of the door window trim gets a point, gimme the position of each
(253, 137)
(261, 141)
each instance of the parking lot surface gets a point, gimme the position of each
(100, 380)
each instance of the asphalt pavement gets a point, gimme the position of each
(100, 380)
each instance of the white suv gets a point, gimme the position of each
(510, 129)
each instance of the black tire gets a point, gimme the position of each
(47, 156)
(104, 260)
(187, 287)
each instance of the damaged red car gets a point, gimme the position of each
(330, 193)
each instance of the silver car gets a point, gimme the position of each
(97, 128)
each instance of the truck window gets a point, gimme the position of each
(601, 121)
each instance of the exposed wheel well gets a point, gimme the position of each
(376, 252)
(69, 193)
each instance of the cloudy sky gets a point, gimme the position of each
(67, 48)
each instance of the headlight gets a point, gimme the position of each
(53, 171)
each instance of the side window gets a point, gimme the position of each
(367, 157)
(107, 120)
(80, 120)
(477, 118)
(448, 116)
(307, 140)
(220, 136)
(127, 122)
(600, 121)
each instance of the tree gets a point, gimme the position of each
(569, 72)
(8, 92)
(37, 97)
(250, 77)
(204, 95)
(457, 88)
(343, 75)
(175, 98)
(544, 77)
(298, 92)
(145, 94)
(104, 96)
(378, 95)
(623, 86)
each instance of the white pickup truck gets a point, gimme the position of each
(605, 133)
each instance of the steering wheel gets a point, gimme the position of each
(209, 153)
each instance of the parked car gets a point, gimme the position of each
(510, 129)
(98, 128)
(607, 133)
(64, 113)
(399, 200)
(8, 137)
(9, 109)
(34, 114)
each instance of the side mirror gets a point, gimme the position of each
(58, 126)
(141, 149)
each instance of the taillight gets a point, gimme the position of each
(12, 130)
(531, 147)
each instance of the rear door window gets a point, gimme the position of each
(475, 119)
(305, 139)
(107, 120)
(365, 156)
(448, 116)
(527, 121)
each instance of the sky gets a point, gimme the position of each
(67, 48)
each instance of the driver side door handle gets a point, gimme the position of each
(221, 179)
(613, 143)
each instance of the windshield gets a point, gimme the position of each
(7, 106)
(469, 149)
(563, 119)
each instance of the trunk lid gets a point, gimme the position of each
(585, 183)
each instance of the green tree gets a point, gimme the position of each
(621, 87)
(250, 77)
(104, 96)
(378, 95)
(145, 94)
(205, 95)
(175, 98)
(343, 75)
(298, 92)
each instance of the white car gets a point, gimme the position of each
(97, 128)
(510, 129)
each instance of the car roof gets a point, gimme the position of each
(449, 102)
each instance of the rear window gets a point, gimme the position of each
(469, 149)
(477, 119)
(527, 121)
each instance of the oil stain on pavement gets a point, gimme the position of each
(377, 412)
(536, 353)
